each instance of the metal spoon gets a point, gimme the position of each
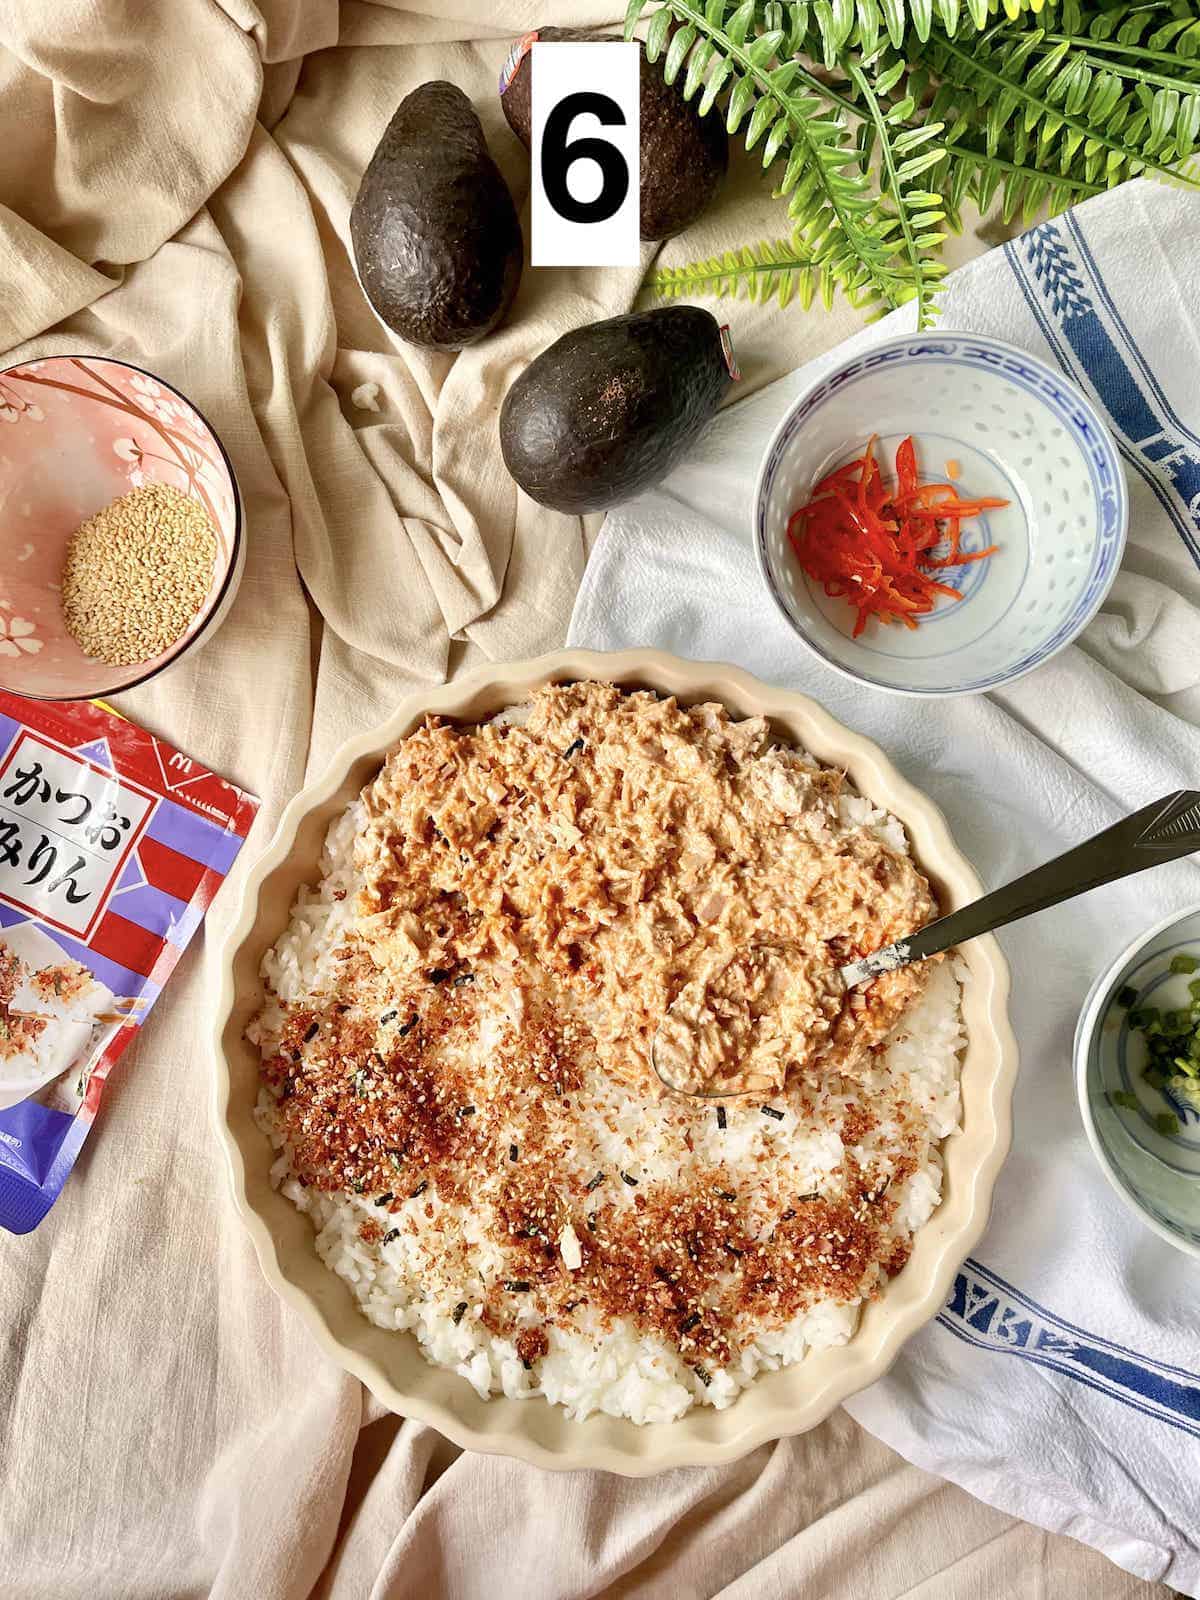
(1162, 831)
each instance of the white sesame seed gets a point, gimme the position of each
(137, 573)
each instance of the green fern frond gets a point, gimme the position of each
(1168, 31)
(828, 29)
(773, 269)
(914, 216)
(973, 175)
(884, 117)
(783, 105)
(1031, 103)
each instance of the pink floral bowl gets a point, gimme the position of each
(82, 431)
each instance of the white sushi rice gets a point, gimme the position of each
(610, 1366)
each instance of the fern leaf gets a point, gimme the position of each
(657, 34)
(773, 269)
(994, 70)
(921, 106)
(838, 218)
(898, 170)
(633, 13)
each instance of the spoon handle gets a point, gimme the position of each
(1162, 831)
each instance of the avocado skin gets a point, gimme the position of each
(608, 409)
(683, 156)
(436, 237)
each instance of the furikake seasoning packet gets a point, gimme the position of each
(112, 845)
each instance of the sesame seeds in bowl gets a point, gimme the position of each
(121, 542)
(137, 573)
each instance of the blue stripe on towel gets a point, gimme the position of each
(1133, 349)
(1071, 303)
(1072, 306)
(987, 1312)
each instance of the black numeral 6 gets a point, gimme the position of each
(558, 156)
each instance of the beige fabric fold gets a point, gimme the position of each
(175, 182)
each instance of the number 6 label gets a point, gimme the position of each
(584, 106)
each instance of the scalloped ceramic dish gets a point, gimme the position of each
(390, 1363)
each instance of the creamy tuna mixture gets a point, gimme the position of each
(457, 1036)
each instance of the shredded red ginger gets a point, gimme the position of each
(875, 547)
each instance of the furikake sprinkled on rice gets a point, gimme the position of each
(462, 958)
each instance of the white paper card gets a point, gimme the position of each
(584, 164)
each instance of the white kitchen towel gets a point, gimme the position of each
(1061, 1380)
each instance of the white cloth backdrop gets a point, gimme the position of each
(175, 184)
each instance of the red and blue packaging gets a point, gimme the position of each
(112, 846)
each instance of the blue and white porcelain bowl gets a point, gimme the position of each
(1011, 428)
(1156, 1173)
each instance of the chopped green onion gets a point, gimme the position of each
(1172, 1051)
(1127, 997)
(1187, 1090)
(1122, 1097)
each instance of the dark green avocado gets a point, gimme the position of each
(435, 232)
(683, 155)
(609, 409)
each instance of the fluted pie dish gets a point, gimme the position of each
(444, 1097)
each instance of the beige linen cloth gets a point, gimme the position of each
(175, 180)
